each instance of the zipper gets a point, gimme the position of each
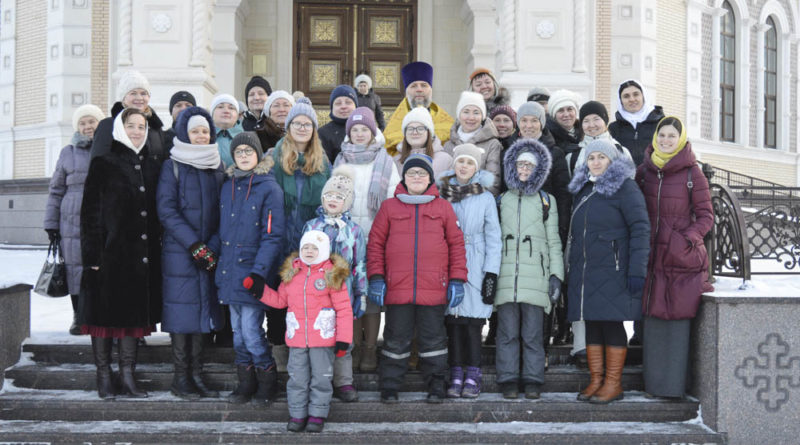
(305, 304)
(569, 233)
(416, 241)
(655, 235)
(583, 272)
(616, 254)
(541, 261)
(516, 267)
(530, 245)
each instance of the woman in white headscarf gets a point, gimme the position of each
(637, 118)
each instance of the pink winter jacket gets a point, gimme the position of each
(319, 312)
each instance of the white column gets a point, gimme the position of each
(760, 30)
(784, 90)
(716, 14)
(742, 101)
(227, 54)
(509, 26)
(479, 15)
(694, 61)
(200, 19)
(125, 33)
(579, 37)
(8, 43)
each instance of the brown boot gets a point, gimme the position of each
(594, 355)
(356, 353)
(612, 387)
(371, 324)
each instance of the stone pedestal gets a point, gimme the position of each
(15, 316)
(746, 367)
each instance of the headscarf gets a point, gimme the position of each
(660, 158)
(118, 133)
(640, 116)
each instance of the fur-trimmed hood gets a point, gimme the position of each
(609, 182)
(540, 172)
(482, 177)
(263, 167)
(337, 269)
(182, 122)
(502, 97)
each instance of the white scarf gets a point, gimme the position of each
(118, 133)
(198, 156)
(639, 116)
(466, 136)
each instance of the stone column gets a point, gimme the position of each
(716, 15)
(227, 45)
(760, 30)
(579, 37)
(482, 48)
(509, 27)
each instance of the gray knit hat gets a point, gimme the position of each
(532, 109)
(302, 107)
(471, 151)
(249, 138)
(603, 146)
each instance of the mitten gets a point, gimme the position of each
(455, 292)
(555, 289)
(53, 235)
(489, 288)
(359, 306)
(377, 290)
(341, 348)
(203, 256)
(255, 284)
(635, 285)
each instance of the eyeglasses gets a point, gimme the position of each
(333, 197)
(298, 126)
(417, 173)
(525, 165)
(243, 152)
(416, 130)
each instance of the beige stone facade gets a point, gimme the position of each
(100, 37)
(670, 61)
(31, 57)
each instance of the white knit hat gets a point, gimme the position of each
(561, 99)
(421, 115)
(363, 78)
(470, 151)
(471, 98)
(277, 94)
(86, 110)
(130, 81)
(223, 99)
(319, 239)
(196, 121)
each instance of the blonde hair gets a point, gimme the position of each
(314, 154)
(406, 151)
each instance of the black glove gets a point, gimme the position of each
(54, 235)
(635, 286)
(203, 256)
(489, 287)
(255, 284)
(555, 289)
(341, 348)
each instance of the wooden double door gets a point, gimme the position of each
(337, 40)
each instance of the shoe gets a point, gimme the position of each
(267, 386)
(594, 357)
(369, 359)
(101, 347)
(128, 347)
(389, 396)
(510, 390)
(75, 327)
(436, 390)
(182, 386)
(281, 355)
(346, 393)
(635, 341)
(580, 360)
(296, 425)
(315, 424)
(533, 391)
(197, 342)
(247, 384)
(472, 383)
(612, 386)
(456, 382)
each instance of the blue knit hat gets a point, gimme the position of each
(415, 71)
(419, 160)
(302, 107)
(343, 90)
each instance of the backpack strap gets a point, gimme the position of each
(545, 204)
(690, 184)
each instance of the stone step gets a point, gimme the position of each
(601, 433)
(489, 408)
(222, 377)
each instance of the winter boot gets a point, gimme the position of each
(436, 390)
(315, 424)
(102, 360)
(594, 355)
(75, 327)
(612, 386)
(346, 393)
(196, 373)
(182, 384)
(281, 355)
(371, 324)
(369, 360)
(356, 352)
(510, 390)
(472, 383)
(492, 334)
(389, 396)
(296, 425)
(456, 382)
(533, 391)
(247, 384)
(128, 349)
(267, 386)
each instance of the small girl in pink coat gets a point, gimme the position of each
(319, 324)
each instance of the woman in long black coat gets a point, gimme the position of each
(121, 249)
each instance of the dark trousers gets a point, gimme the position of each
(400, 322)
(276, 326)
(464, 341)
(74, 299)
(611, 333)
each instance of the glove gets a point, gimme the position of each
(255, 284)
(489, 288)
(54, 235)
(635, 285)
(203, 256)
(455, 292)
(359, 306)
(377, 290)
(555, 289)
(341, 348)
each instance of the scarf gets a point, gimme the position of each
(457, 192)
(415, 199)
(382, 169)
(312, 186)
(238, 173)
(466, 136)
(640, 116)
(660, 158)
(202, 157)
(120, 136)
(81, 141)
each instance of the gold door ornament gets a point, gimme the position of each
(324, 74)
(385, 75)
(325, 30)
(384, 32)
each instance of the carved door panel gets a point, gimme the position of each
(386, 42)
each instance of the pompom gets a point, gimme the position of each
(304, 100)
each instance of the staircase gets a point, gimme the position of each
(50, 397)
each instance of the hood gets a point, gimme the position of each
(338, 269)
(482, 177)
(503, 97)
(153, 121)
(263, 167)
(540, 172)
(609, 182)
(486, 132)
(684, 159)
(183, 121)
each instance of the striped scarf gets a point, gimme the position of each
(381, 170)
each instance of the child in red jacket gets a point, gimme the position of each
(319, 321)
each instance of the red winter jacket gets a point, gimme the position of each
(417, 248)
(677, 271)
(319, 312)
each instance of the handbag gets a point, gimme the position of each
(52, 280)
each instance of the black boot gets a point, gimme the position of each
(436, 390)
(564, 334)
(182, 385)
(247, 384)
(128, 347)
(492, 334)
(197, 341)
(267, 386)
(102, 360)
(75, 328)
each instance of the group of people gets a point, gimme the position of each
(233, 216)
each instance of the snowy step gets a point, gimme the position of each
(598, 433)
(489, 408)
(222, 377)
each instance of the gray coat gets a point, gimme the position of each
(63, 211)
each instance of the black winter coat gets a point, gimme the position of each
(568, 143)
(250, 121)
(557, 183)
(121, 234)
(156, 147)
(372, 101)
(332, 135)
(636, 140)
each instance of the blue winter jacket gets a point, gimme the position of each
(609, 240)
(188, 208)
(251, 231)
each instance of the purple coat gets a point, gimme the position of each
(63, 211)
(677, 271)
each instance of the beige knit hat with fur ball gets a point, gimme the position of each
(342, 182)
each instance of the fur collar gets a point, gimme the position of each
(482, 177)
(337, 269)
(263, 167)
(540, 172)
(609, 182)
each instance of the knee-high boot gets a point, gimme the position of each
(196, 341)
(182, 386)
(612, 386)
(101, 347)
(594, 355)
(371, 323)
(128, 348)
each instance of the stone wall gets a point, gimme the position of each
(31, 56)
(99, 53)
(15, 316)
(29, 158)
(670, 63)
(603, 87)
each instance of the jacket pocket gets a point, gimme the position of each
(326, 322)
(683, 255)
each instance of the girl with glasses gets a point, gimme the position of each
(419, 138)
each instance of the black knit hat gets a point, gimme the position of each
(257, 81)
(179, 96)
(594, 107)
(249, 138)
(419, 160)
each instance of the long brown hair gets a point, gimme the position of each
(406, 150)
(314, 154)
